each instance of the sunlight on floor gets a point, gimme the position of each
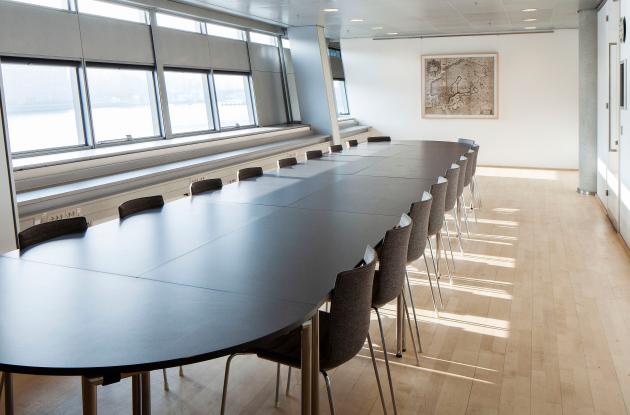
(518, 173)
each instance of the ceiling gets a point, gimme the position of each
(408, 17)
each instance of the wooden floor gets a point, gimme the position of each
(536, 322)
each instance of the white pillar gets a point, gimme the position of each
(8, 209)
(309, 52)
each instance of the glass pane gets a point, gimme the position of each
(179, 23)
(114, 11)
(286, 43)
(123, 103)
(234, 100)
(225, 31)
(340, 97)
(263, 39)
(188, 101)
(43, 106)
(56, 4)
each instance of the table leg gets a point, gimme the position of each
(306, 367)
(88, 393)
(136, 395)
(315, 365)
(400, 327)
(145, 380)
(8, 393)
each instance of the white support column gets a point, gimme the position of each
(8, 207)
(309, 52)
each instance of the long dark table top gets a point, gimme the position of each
(206, 275)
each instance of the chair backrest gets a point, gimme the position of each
(436, 218)
(338, 148)
(419, 213)
(463, 165)
(249, 172)
(469, 167)
(314, 154)
(287, 162)
(379, 139)
(206, 185)
(140, 204)
(476, 149)
(452, 175)
(48, 230)
(350, 308)
(468, 141)
(353, 143)
(392, 262)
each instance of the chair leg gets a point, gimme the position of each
(166, 388)
(288, 381)
(478, 195)
(277, 385)
(426, 264)
(389, 374)
(437, 279)
(225, 382)
(436, 264)
(439, 243)
(378, 378)
(450, 245)
(329, 390)
(413, 308)
(416, 350)
(465, 215)
(459, 231)
(473, 202)
(181, 371)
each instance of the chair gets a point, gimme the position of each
(287, 162)
(207, 185)
(452, 175)
(436, 223)
(463, 165)
(474, 184)
(49, 230)
(140, 204)
(468, 184)
(389, 284)
(353, 143)
(314, 154)
(379, 139)
(338, 148)
(249, 172)
(468, 141)
(342, 331)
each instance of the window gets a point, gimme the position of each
(225, 31)
(341, 98)
(188, 101)
(43, 106)
(179, 23)
(263, 39)
(114, 11)
(234, 100)
(123, 103)
(286, 43)
(56, 4)
(334, 53)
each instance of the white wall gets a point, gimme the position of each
(538, 94)
(624, 145)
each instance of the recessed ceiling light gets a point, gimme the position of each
(530, 28)
(392, 33)
(330, 10)
(529, 20)
(529, 10)
(356, 20)
(377, 28)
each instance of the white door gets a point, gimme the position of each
(612, 174)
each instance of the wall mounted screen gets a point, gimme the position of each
(189, 101)
(43, 106)
(123, 103)
(234, 100)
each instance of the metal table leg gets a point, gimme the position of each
(315, 365)
(88, 393)
(136, 395)
(8, 393)
(145, 386)
(306, 367)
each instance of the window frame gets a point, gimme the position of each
(83, 128)
(201, 25)
(251, 100)
(243, 32)
(212, 100)
(254, 32)
(70, 8)
(155, 98)
(345, 93)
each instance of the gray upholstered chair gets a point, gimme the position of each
(338, 148)
(206, 185)
(468, 141)
(46, 231)
(287, 162)
(249, 172)
(452, 175)
(353, 143)
(379, 139)
(140, 204)
(343, 330)
(436, 223)
(314, 154)
(474, 185)
(468, 185)
(463, 166)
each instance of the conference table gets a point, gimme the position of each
(209, 275)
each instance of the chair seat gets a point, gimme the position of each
(287, 350)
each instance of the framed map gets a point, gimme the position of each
(460, 86)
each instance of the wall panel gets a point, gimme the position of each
(184, 49)
(113, 40)
(229, 54)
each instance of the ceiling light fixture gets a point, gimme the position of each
(530, 28)
(356, 20)
(529, 20)
(377, 28)
(529, 10)
(392, 33)
(330, 10)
